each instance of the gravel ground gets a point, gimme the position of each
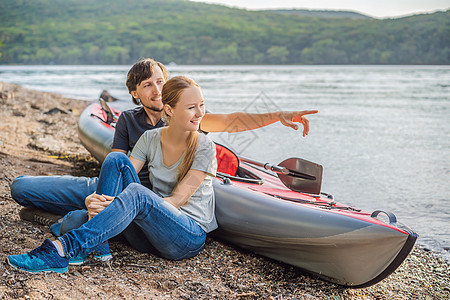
(38, 137)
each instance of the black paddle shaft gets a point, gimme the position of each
(297, 174)
(279, 169)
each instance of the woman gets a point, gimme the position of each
(179, 210)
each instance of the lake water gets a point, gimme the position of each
(382, 133)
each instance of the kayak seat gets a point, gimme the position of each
(228, 167)
(227, 161)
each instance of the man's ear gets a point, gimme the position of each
(134, 94)
(168, 109)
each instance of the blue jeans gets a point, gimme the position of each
(62, 195)
(56, 194)
(133, 234)
(172, 233)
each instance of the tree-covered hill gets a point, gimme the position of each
(322, 13)
(120, 32)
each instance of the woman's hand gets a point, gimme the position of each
(96, 203)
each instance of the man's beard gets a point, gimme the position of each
(152, 108)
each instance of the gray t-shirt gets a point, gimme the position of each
(201, 205)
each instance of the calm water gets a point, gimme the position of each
(382, 133)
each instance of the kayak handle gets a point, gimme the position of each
(391, 216)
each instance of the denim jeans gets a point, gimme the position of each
(132, 234)
(56, 194)
(65, 196)
(72, 220)
(172, 233)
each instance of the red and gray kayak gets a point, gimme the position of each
(284, 216)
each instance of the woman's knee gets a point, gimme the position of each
(137, 188)
(115, 156)
(115, 160)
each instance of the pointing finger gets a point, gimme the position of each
(309, 112)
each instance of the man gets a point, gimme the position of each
(63, 194)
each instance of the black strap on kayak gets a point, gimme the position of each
(110, 116)
(112, 124)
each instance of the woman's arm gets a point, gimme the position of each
(186, 188)
(137, 164)
(240, 121)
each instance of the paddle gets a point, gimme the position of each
(297, 174)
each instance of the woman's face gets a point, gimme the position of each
(149, 90)
(189, 111)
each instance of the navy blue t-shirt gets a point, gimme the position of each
(129, 128)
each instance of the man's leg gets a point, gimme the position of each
(56, 194)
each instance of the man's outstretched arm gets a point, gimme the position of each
(240, 121)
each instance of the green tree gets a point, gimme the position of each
(43, 56)
(116, 55)
(277, 54)
(73, 56)
(227, 54)
(158, 50)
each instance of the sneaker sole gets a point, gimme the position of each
(39, 216)
(102, 258)
(57, 270)
(77, 262)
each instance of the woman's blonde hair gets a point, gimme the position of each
(171, 93)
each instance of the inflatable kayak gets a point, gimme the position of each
(281, 215)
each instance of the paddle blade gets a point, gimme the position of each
(298, 184)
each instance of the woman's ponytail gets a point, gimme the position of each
(186, 164)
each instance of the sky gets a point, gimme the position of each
(377, 9)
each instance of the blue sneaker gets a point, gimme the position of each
(44, 258)
(100, 252)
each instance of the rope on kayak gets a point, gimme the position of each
(324, 205)
(112, 124)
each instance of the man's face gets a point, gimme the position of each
(149, 90)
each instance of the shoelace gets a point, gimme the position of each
(46, 248)
(43, 220)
